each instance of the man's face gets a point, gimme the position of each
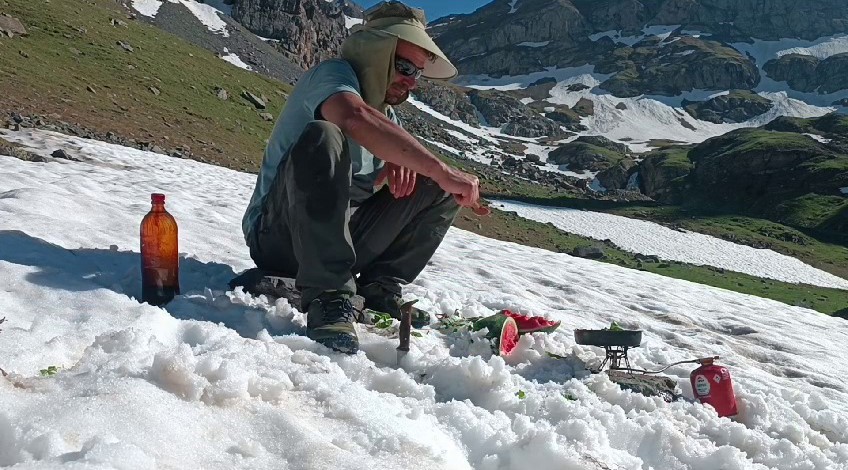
(402, 84)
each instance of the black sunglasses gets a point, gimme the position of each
(407, 68)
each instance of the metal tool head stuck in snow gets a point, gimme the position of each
(405, 330)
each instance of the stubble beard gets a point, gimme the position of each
(395, 99)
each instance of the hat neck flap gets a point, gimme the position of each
(371, 53)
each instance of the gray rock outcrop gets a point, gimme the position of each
(736, 106)
(669, 68)
(309, 31)
(499, 109)
(592, 153)
(808, 73)
(617, 175)
(448, 100)
(662, 173)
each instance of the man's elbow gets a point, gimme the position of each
(356, 122)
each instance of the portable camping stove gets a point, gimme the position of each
(616, 343)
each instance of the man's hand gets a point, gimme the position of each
(401, 179)
(464, 187)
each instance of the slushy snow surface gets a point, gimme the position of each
(219, 379)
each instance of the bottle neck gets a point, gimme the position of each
(157, 207)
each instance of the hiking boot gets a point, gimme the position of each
(381, 299)
(273, 285)
(329, 321)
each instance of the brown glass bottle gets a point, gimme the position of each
(160, 270)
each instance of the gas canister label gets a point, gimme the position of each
(702, 385)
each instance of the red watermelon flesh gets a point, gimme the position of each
(509, 337)
(527, 324)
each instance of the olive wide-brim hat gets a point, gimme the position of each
(409, 24)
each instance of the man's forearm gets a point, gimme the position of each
(391, 143)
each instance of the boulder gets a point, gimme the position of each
(253, 99)
(589, 252)
(11, 26)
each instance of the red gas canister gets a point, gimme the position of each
(712, 385)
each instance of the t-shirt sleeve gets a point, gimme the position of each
(331, 77)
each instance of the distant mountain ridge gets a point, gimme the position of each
(516, 37)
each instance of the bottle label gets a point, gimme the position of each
(702, 385)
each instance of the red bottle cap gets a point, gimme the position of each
(157, 198)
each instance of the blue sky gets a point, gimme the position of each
(437, 8)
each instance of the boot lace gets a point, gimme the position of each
(338, 310)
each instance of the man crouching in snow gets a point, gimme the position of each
(316, 214)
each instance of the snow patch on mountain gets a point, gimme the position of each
(466, 127)
(763, 51)
(351, 22)
(533, 44)
(659, 31)
(694, 33)
(642, 118)
(821, 48)
(512, 6)
(516, 82)
(649, 238)
(205, 13)
(818, 138)
(235, 60)
(147, 7)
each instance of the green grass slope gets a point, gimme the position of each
(72, 68)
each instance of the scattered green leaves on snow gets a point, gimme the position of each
(383, 320)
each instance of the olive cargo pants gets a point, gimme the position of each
(306, 229)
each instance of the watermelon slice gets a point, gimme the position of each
(528, 324)
(508, 339)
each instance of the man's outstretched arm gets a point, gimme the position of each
(391, 143)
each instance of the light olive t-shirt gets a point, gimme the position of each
(319, 83)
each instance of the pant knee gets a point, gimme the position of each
(320, 156)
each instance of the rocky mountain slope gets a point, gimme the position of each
(694, 50)
(792, 170)
(529, 130)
